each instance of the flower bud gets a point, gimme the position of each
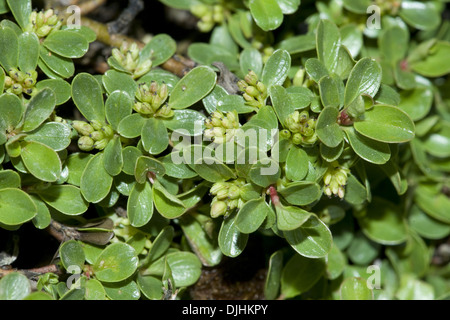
(97, 125)
(218, 208)
(43, 31)
(97, 135)
(108, 131)
(297, 138)
(100, 145)
(251, 78)
(216, 187)
(85, 143)
(82, 127)
(234, 192)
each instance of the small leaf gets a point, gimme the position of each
(155, 138)
(145, 165)
(297, 164)
(282, 102)
(119, 81)
(362, 250)
(251, 216)
(355, 289)
(188, 122)
(29, 51)
(21, 9)
(192, 87)
(331, 92)
(11, 109)
(251, 59)
(298, 44)
(416, 103)
(316, 69)
(150, 286)
(300, 274)
(58, 66)
(9, 46)
(276, 69)
(160, 49)
(273, 279)
(76, 163)
(123, 290)
(386, 124)
(9, 179)
(290, 218)
(17, 207)
(117, 107)
(213, 170)
(60, 87)
(66, 43)
(131, 126)
(71, 254)
(116, 263)
(168, 205)
(160, 245)
(231, 241)
(301, 193)
(265, 172)
(370, 150)
(41, 161)
(420, 15)
(140, 204)
(435, 63)
(267, 14)
(327, 128)
(95, 181)
(87, 96)
(39, 109)
(365, 78)
(336, 263)
(64, 198)
(113, 159)
(328, 44)
(312, 239)
(14, 286)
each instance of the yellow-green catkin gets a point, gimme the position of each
(253, 90)
(227, 197)
(335, 180)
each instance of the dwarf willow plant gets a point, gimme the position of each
(350, 175)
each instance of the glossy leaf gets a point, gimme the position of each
(95, 181)
(370, 150)
(160, 49)
(155, 138)
(71, 254)
(167, 204)
(140, 204)
(87, 96)
(386, 124)
(336, 263)
(9, 45)
(113, 158)
(57, 65)
(251, 216)
(427, 226)
(328, 40)
(117, 107)
(66, 43)
(301, 193)
(17, 207)
(267, 14)
(365, 78)
(192, 87)
(290, 218)
(60, 87)
(296, 164)
(41, 161)
(273, 280)
(21, 9)
(29, 51)
(327, 128)
(276, 69)
(14, 286)
(355, 289)
(420, 15)
(11, 110)
(39, 109)
(119, 81)
(116, 263)
(64, 198)
(145, 165)
(231, 241)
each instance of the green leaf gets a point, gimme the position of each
(21, 9)
(124, 290)
(301, 193)
(57, 65)
(331, 92)
(231, 241)
(416, 103)
(9, 179)
(155, 138)
(43, 218)
(29, 51)
(113, 158)
(393, 44)
(71, 254)
(145, 165)
(140, 204)
(64, 198)
(197, 233)
(355, 289)
(180, 4)
(362, 250)
(41, 161)
(118, 106)
(298, 44)
(213, 170)
(17, 207)
(273, 279)
(186, 268)
(192, 87)
(160, 49)
(265, 172)
(251, 59)
(312, 239)
(94, 290)
(150, 286)
(370, 150)
(300, 274)
(119, 81)
(39, 109)
(60, 87)
(267, 14)
(365, 78)
(231, 103)
(386, 124)
(420, 15)
(331, 154)
(355, 192)
(95, 181)
(336, 263)
(14, 286)
(131, 126)
(66, 43)
(357, 6)
(76, 163)
(437, 142)
(206, 54)
(3, 7)
(290, 218)
(352, 39)
(316, 69)
(116, 263)
(433, 202)
(276, 68)
(328, 40)
(282, 102)
(327, 128)
(160, 245)
(11, 109)
(168, 205)
(86, 32)
(426, 226)
(296, 164)
(177, 170)
(435, 64)
(9, 46)
(87, 96)
(251, 216)
(383, 223)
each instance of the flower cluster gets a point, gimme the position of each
(335, 180)
(254, 91)
(151, 100)
(302, 128)
(128, 56)
(209, 15)
(19, 82)
(227, 197)
(220, 127)
(44, 22)
(94, 135)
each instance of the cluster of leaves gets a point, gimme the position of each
(355, 176)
